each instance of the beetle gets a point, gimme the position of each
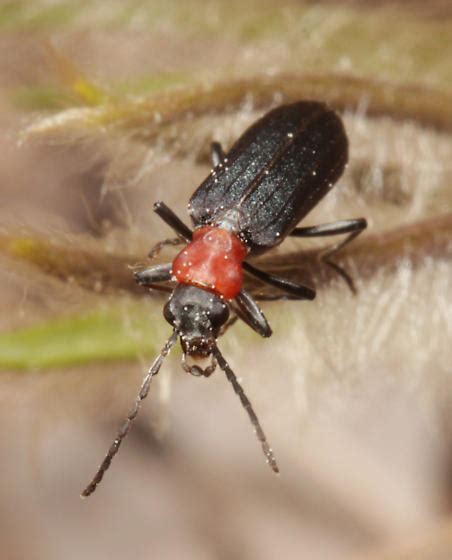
(254, 197)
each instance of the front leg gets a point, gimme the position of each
(250, 313)
(153, 274)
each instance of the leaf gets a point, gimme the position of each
(99, 336)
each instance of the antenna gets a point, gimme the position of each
(248, 407)
(143, 393)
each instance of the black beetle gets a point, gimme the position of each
(255, 196)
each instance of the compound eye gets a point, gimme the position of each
(168, 313)
(219, 315)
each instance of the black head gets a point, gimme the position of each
(198, 316)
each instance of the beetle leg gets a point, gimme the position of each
(332, 228)
(248, 310)
(292, 288)
(159, 288)
(353, 227)
(159, 246)
(276, 297)
(169, 217)
(217, 154)
(157, 273)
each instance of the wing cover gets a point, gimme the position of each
(275, 173)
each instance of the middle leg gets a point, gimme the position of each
(292, 288)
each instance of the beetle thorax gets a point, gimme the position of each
(212, 261)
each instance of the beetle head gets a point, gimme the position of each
(198, 316)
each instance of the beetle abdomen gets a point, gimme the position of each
(275, 173)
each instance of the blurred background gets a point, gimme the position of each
(106, 107)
